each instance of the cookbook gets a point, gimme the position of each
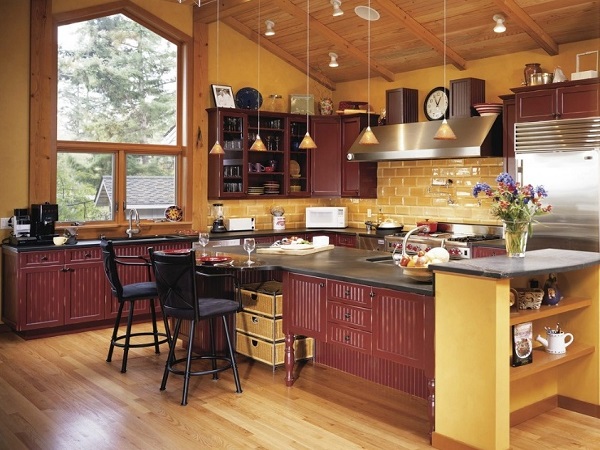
(522, 344)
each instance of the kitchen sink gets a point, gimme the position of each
(155, 237)
(382, 260)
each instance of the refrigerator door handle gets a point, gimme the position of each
(519, 170)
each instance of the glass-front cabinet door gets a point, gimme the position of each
(227, 173)
(265, 168)
(299, 159)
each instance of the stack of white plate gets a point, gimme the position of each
(256, 190)
(487, 109)
(271, 187)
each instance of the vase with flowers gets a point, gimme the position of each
(517, 206)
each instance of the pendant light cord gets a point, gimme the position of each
(307, 53)
(218, 52)
(445, 48)
(369, 67)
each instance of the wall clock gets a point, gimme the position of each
(437, 103)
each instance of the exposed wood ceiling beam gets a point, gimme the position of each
(335, 39)
(208, 12)
(277, 51)
(422, 33)
(516, 13)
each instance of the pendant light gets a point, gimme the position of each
(258, 144)
(307, 141)
(217, 149)
(368, 138)
(444, 132)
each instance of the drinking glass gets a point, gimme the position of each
(249, 246)
(203, 238)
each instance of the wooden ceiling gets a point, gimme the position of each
(409, 34)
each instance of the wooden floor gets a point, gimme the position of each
(59, 393)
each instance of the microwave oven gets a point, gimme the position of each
(326, 217)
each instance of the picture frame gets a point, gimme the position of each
(223, 96)
(302, 104)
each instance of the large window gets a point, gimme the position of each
(118, 114)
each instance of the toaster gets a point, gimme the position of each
(239, 224)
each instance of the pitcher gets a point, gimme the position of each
(556, 343)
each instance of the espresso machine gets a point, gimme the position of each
(218, 222)
(43, 218)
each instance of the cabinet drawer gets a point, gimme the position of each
(264, 327)
(36, 259)
(344, 240)
(349, 315)
(84, 254)
(349, 293)
(356, 339)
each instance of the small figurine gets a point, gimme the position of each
(552, 294)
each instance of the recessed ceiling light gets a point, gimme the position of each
(367, 13)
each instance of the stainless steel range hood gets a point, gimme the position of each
(479, 136)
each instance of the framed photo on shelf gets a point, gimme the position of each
(223, 96)
(302, 104)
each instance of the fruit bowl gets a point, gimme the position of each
(422, 274)
(486, 109)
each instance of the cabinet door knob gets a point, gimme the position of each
(347, 292)
(347, 315)
(88, 255)
(44, 258)
(322, 285)
(346, 338)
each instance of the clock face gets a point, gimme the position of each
(437, 104)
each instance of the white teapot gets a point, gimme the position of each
(556, 343)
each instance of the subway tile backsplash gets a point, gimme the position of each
(408, 191)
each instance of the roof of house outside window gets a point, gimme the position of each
(143, 192)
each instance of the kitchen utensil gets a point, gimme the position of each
(431, 226)
(540, 78)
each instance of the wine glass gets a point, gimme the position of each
(203, 238)
(249, 246)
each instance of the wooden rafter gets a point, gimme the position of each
(422, 33)
(518, 15)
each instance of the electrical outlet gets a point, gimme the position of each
(369, 212)
(4, 223)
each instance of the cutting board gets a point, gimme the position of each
(301, 251)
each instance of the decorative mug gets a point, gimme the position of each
(258, 167)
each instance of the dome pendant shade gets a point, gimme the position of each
(216, 149)
(258, 145)
(307, 142)
(368, 138)
(444, 132)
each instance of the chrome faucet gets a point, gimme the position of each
(131, 231)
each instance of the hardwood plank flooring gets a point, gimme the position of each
(59, 393)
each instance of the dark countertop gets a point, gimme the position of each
(535, 262)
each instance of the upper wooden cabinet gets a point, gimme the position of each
(401, 105)
(464, 93)
(566, 100)
(359, 179)
(326, 158)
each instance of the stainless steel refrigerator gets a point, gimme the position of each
(564, 157)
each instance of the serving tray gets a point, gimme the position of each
(299, 252)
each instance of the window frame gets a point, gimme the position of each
(44, 145)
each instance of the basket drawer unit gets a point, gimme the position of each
(270, 353)
(353, 316)
(261, 326)
(263, 298)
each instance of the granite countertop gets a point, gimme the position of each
(535, 262)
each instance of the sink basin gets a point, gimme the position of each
(382, 260)
(155, 237)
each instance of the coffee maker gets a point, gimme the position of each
(218, 222)
(20, 222)
(43, 218)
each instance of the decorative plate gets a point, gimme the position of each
(294, 169)
(248, 98)
(211, 260)
(174, 214)
(296, 246)
(179, 251)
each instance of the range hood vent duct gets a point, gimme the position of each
(479, 136)
(557, 135)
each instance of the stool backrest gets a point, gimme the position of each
(110, 267)
(175, 275)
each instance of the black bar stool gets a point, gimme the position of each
(128, 294)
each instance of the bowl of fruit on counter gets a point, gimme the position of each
(416, 267)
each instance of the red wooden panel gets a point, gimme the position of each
(579, 101)
(349, 315)
(349, 292)
(399, 319)
(43, 297)
(84, 254)
(304, 306)
(399, 376)
(34, 259)
(86, 296)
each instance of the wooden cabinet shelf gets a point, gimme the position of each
(543, 361)
(565, 305)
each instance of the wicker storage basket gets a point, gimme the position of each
(257, 325)
(272, 354)
(529, 298)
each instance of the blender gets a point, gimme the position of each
(218, 222)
